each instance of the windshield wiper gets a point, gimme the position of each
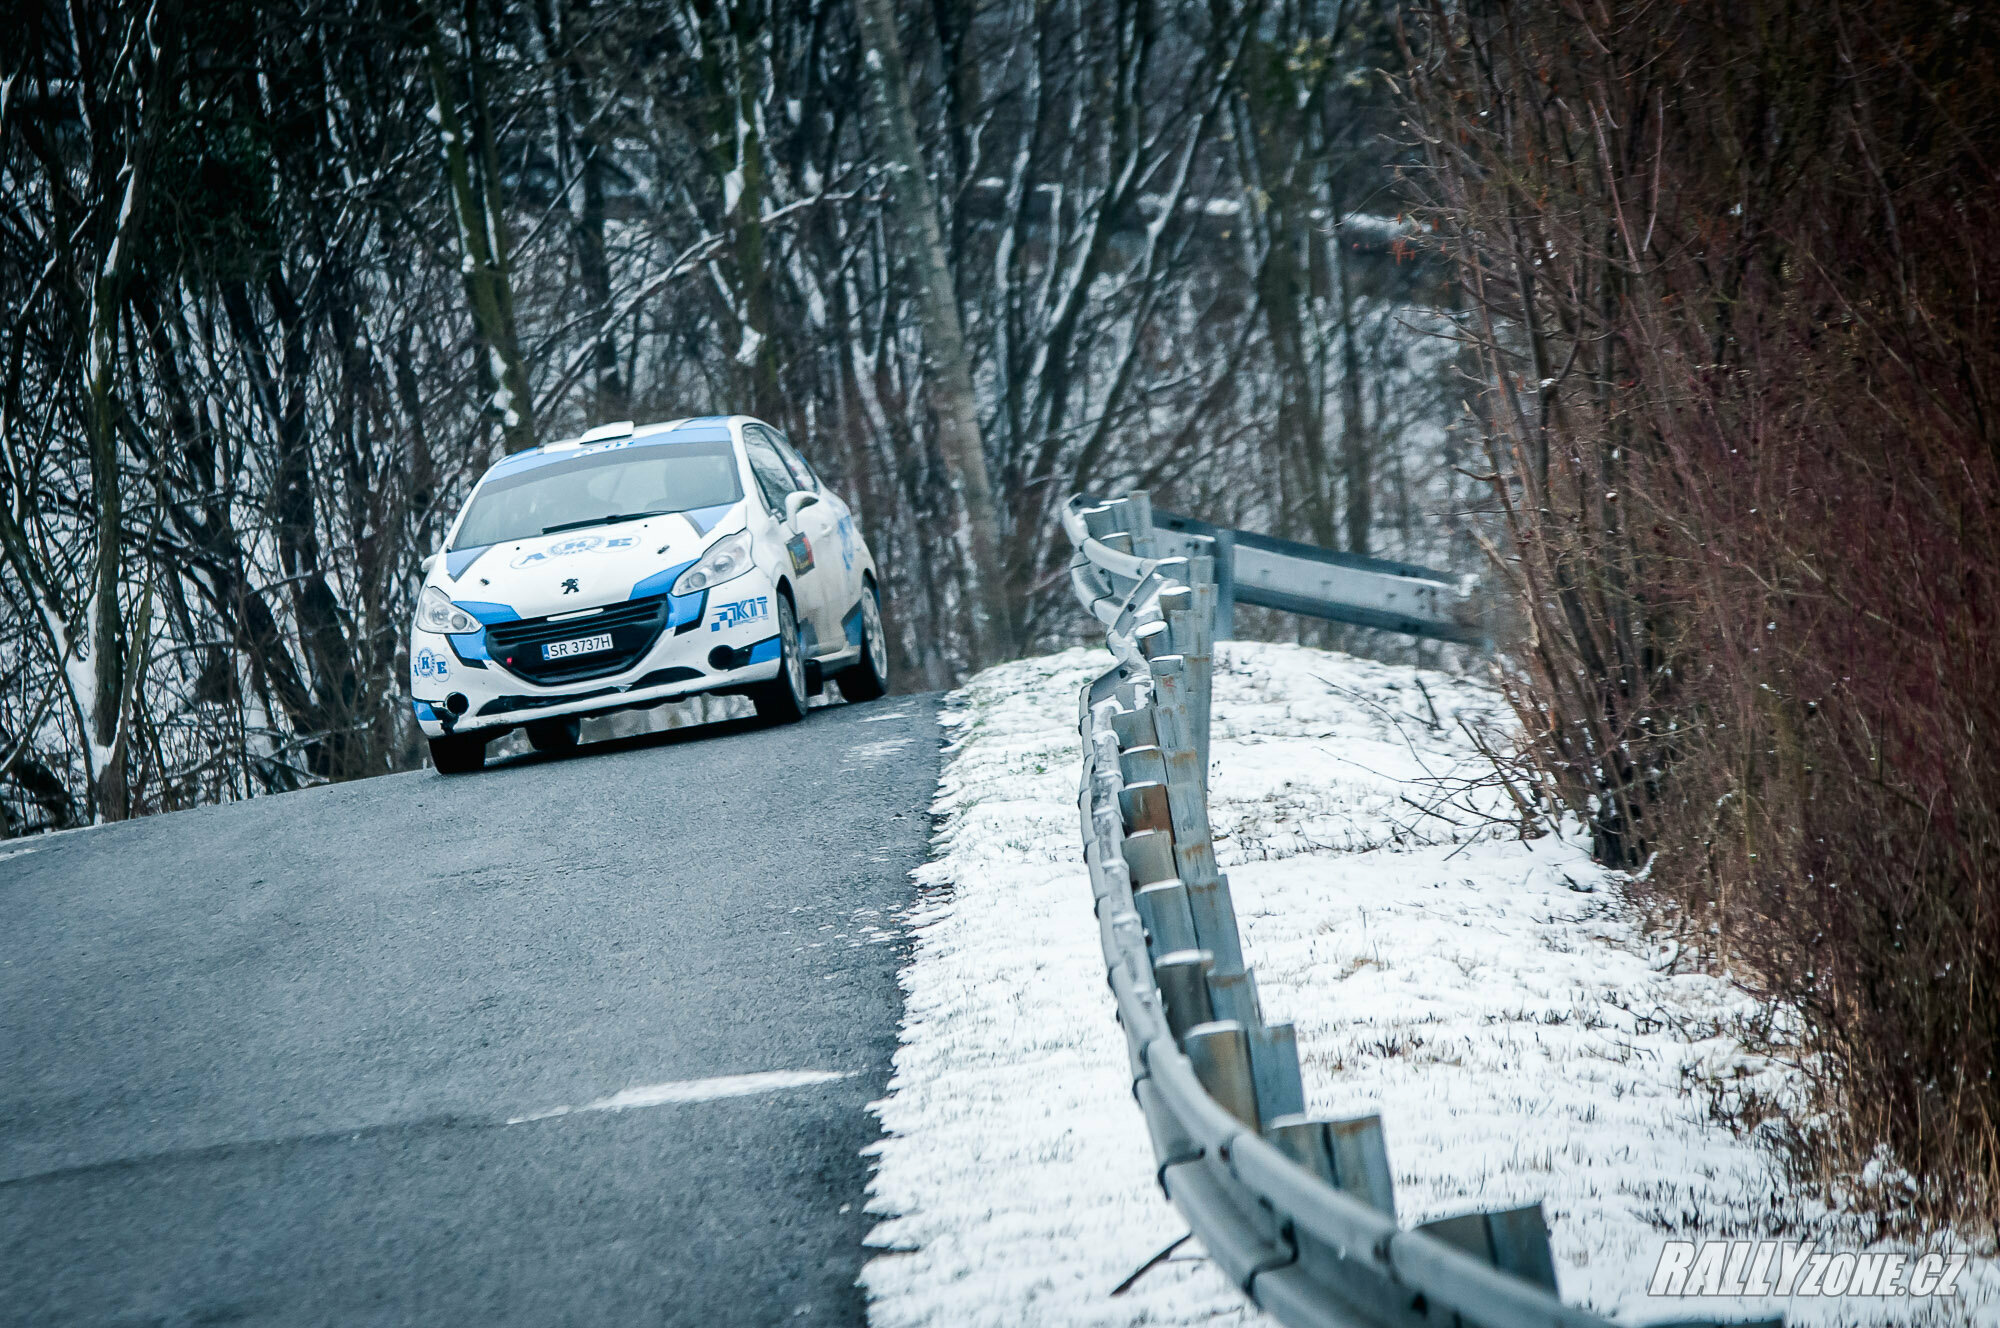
(601, 520)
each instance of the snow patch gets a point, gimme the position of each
(1491, 997)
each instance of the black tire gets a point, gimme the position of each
(783, 699)
(554, 735)
(458, 753)
(868, 679)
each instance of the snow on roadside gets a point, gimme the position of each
(1520, 1037)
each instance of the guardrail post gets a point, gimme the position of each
(1182, 979)
(1140, 505)
(1108, 519)
(1220, 1053)
(1361, 1161)
(1225, 584)
(1144, 807)
(1142, 764)
(1274, 1065)
(1149, 857)
(1348, 1155)
(1515, 1240)
(1134, 728)
(1163, 908)
(1234, 994)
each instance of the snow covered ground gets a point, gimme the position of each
(1489, 996)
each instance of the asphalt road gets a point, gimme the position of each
(258, 1062)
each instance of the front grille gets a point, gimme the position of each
(634, 626)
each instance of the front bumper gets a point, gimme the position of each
(456, 687)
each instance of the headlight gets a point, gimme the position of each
(725, 558)
(436, 613)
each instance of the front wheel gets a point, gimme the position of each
(869, 678)
(783, 699)
(458, 753)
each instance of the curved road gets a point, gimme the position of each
(258, 1062)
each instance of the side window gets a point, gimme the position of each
(772, 478)
(801, 472)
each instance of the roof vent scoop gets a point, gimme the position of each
(622, 429)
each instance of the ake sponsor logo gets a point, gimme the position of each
(575, 544)
(742, 610)
(430, 664)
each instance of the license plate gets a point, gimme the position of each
(582, 645)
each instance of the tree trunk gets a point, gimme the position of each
(915, 207)
(116, 653)
(482, 241)
(1356, 455)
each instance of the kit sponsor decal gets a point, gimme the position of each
(430, 664)
(740, 611)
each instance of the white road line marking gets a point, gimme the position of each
(696, 1090)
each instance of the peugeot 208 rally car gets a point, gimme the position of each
(633, 566)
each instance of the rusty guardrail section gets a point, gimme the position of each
(1300, 1213)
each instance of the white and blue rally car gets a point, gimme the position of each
(637, 565)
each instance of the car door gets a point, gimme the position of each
(806, 542)
(833, 518)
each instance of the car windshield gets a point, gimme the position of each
(618, 484)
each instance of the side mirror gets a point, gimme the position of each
(797, 501)
(430, 561)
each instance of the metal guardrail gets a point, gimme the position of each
(1343, 587)
(1300, 1213)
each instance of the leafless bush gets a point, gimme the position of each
(1732, 279)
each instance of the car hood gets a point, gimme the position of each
(581, 569)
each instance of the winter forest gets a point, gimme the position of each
(1676, 322)
(283, 281)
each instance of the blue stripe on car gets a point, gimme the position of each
(488, 613)
(851, 624)
(661, 582)
(424, 711)
(764, 651)
(470, 647)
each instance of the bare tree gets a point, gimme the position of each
(995, 615)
